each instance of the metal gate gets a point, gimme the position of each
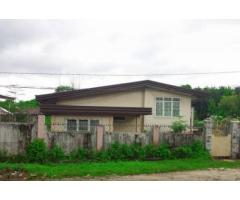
(221, 141)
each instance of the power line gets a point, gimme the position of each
(28, 87)
(88, 74)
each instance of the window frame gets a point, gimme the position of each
(155, 113)
(114, 120)
(77, 119)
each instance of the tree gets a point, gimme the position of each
(212, 108)
(63, 88)
(187, 86)
(229, 105)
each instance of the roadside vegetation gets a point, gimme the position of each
(94, 169)
(37, 152)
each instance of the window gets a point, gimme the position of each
(71, 124)
(81, 125)
(167, 107)
(119, 118)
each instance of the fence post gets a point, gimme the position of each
(208, 134)
(235, 138)
(41, 126)
(156, 136)
(99, 138)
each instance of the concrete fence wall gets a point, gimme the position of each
(99, 139)
(14, 137)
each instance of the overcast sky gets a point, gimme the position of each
(117, 47)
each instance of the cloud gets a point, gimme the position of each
(118, 46)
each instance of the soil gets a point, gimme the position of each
(9, 174)
(219, 174)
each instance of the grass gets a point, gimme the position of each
(119, 168)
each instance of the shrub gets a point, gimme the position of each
(18, 158)
(179, 126)
(101, 155)
(72, 155)
(3, 156)
(163, 152)
(127, 152)
(82, 153)
(195, 150)
(36, 151)
(56, 154)
(114, 152)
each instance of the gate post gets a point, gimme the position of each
(99, 138)
(41, 126)
(156, 136)
(235, 138)
(208, 134)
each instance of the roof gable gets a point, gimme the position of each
(51, 98)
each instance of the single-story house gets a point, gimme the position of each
(135, 104)
(6, 97)
(4, 111)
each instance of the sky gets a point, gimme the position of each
(117, 47)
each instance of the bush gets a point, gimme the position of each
(114, 152)
(82, 154)
(163, 152)
(36, 151)
(56, 154)
(195, 150)
(127, 152)
(3, 156)
(179, 126)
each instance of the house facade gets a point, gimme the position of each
(133, 104)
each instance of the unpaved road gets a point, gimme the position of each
(219, 174)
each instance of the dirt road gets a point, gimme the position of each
(220, 174)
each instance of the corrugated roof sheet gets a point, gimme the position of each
(117, 88)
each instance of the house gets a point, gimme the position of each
(4, 111)
(6, 97)
(135, 103)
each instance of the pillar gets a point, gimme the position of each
(235, 138)
(208, 134)
(41, 126)
(99, 138)
(156, 136)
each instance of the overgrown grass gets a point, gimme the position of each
(119, 168)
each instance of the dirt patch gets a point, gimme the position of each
(9, 174)
(219, 174)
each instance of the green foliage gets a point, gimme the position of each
(82, 153)
(197, 123)
(98, 169)
(195, 150)
(179, 126)
(72, 156)
(36, 151)
(48, 122)
(63, 88)
(229, 105)
(187, 86)
(19, 107)
(163, 152)
(56, 154)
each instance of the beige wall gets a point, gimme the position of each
(121, 99)
(149, 101)
(140, 98)
(129, 125)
